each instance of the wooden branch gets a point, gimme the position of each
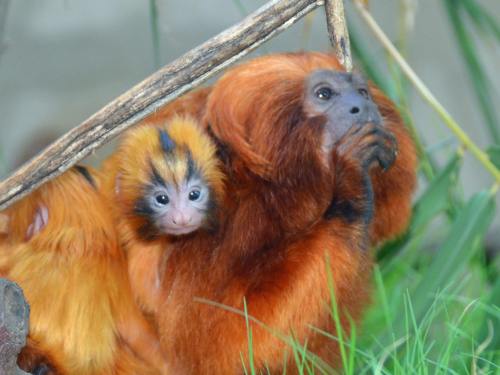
(160, 88)
(14, 318)
(337, 30)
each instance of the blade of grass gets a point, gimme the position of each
(481, 17)
(385, 304)
(321, 366)
(466, 233)
(336, 316)
(352, 346)
(476, 72)
(494, 299)
(155, 33)
(435, 199)
(494, 154)
(250, 339)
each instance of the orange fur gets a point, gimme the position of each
(272, 244)
(128, 171)
(393, 188)
(74, 277)
(192, 105)
(32, 357)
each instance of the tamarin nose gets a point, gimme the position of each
(361, 109)
(181, 219)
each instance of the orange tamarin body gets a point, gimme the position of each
(174, 162)
(291, 210)
(62, 249)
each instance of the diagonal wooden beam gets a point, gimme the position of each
(337, 30)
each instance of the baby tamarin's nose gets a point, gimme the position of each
(180, 218)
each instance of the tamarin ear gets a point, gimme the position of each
(167, 144)
(40, 221)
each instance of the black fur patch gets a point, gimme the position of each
(147, 232)
(223, 151)
(357, 208)
(155, 176)
(191, 168)
(167, 144)
(41, 369)
(86, 174)
(143, 208)
(344, 209)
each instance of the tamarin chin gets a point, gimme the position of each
(164, 181)
(62, 248)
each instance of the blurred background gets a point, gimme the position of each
(62, 60)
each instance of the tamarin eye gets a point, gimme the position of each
(324, 93)
(194, 195)
(162, 199)
(363, 92)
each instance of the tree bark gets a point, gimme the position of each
(337, 30)
(14, 319)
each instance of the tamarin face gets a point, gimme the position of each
(175, 206)
(168, 180)
(343, 98)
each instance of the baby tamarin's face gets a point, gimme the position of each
(178, 208)
(169, 180)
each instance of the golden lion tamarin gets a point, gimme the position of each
(62, 248)
(164, 181)
(305, 186)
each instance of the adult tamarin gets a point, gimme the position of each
(299, 199)
(164, 181)
(393, 188)
(62, 249)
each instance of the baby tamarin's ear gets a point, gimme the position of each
(40, 221)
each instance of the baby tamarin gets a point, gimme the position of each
(165, 181)
(62, 248)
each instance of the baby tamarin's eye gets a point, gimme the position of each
(162, 199)
(194, 195)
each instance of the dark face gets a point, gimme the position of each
(344, 99)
